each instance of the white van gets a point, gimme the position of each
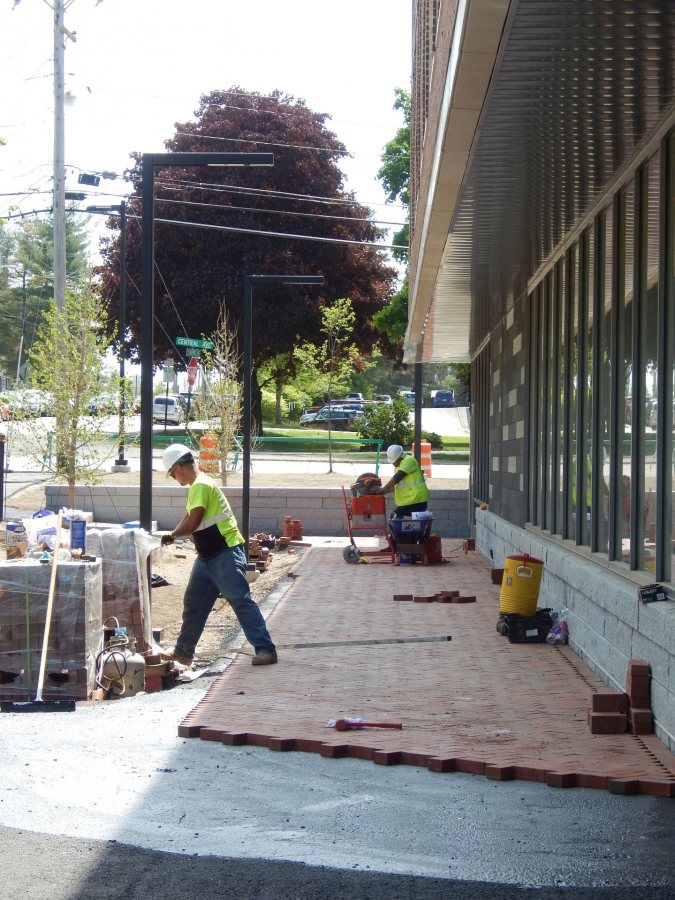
(167, 409)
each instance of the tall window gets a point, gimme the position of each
(600, 512)
(549, 395)
(586, 319)
(649, 329)
(666, 478)
(627, 441)
(534, 454)
(572, 391)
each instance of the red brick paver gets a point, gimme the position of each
(474, 704)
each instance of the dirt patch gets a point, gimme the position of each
(174, 564)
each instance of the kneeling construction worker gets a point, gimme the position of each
(220, 567)
(411, 493)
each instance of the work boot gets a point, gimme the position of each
(264, 658)
(177, 657)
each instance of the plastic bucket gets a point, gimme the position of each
(520, 584)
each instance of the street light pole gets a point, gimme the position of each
(248, 363)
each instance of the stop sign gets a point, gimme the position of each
(192, 371)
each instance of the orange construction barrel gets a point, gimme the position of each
(425, 457)
(208, 454)
(520, 584)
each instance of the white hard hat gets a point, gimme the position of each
(176, 453)
(394, 452)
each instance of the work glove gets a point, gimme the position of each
(167, 539)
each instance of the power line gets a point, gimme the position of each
(214, 137)
(278, 212)
(280, 234)
(266, 192)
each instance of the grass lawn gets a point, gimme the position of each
(313, 440)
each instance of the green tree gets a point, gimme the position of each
(221, 404)
(27, 282)
(276, 373)
(303, 193)
(394, 172)
(393, 319)
(388, 423)
(330, 364)
(67, 361)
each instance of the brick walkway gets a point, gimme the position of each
(475, 704)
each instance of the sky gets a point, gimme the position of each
(139, 66)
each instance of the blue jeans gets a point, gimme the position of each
(221, 575)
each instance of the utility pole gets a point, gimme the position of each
(59, 199)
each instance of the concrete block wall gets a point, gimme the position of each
(321, 510)
(608, 626)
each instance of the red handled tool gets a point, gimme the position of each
(346, 724)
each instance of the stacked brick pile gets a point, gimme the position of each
(615, 712)
(74, 633)
(292, 528)
(438, 597)
(259, 549)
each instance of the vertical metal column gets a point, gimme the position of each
(246, 455)
(147, 336)
(418, 410)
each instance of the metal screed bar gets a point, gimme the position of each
(366, 643)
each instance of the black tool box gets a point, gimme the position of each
(527, 629)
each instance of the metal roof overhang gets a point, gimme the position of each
(543, 105)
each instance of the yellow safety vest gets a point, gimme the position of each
(412, 488)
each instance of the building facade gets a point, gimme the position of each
(543, 252)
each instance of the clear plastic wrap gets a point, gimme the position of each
(74, 634)
(126, 591)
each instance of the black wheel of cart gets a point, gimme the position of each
(350, 554)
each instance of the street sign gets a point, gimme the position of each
(192, 371)
(168, 375)
(198, 343)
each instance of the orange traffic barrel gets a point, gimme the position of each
(208, 454)
(425, 457)
(520, 584)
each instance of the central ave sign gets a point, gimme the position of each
(196, 343)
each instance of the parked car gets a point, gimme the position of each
(354, 396)
(167, 409)
(338, 419)
(383, 398)
(308, 417)
(444, 398)
(408, 396)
